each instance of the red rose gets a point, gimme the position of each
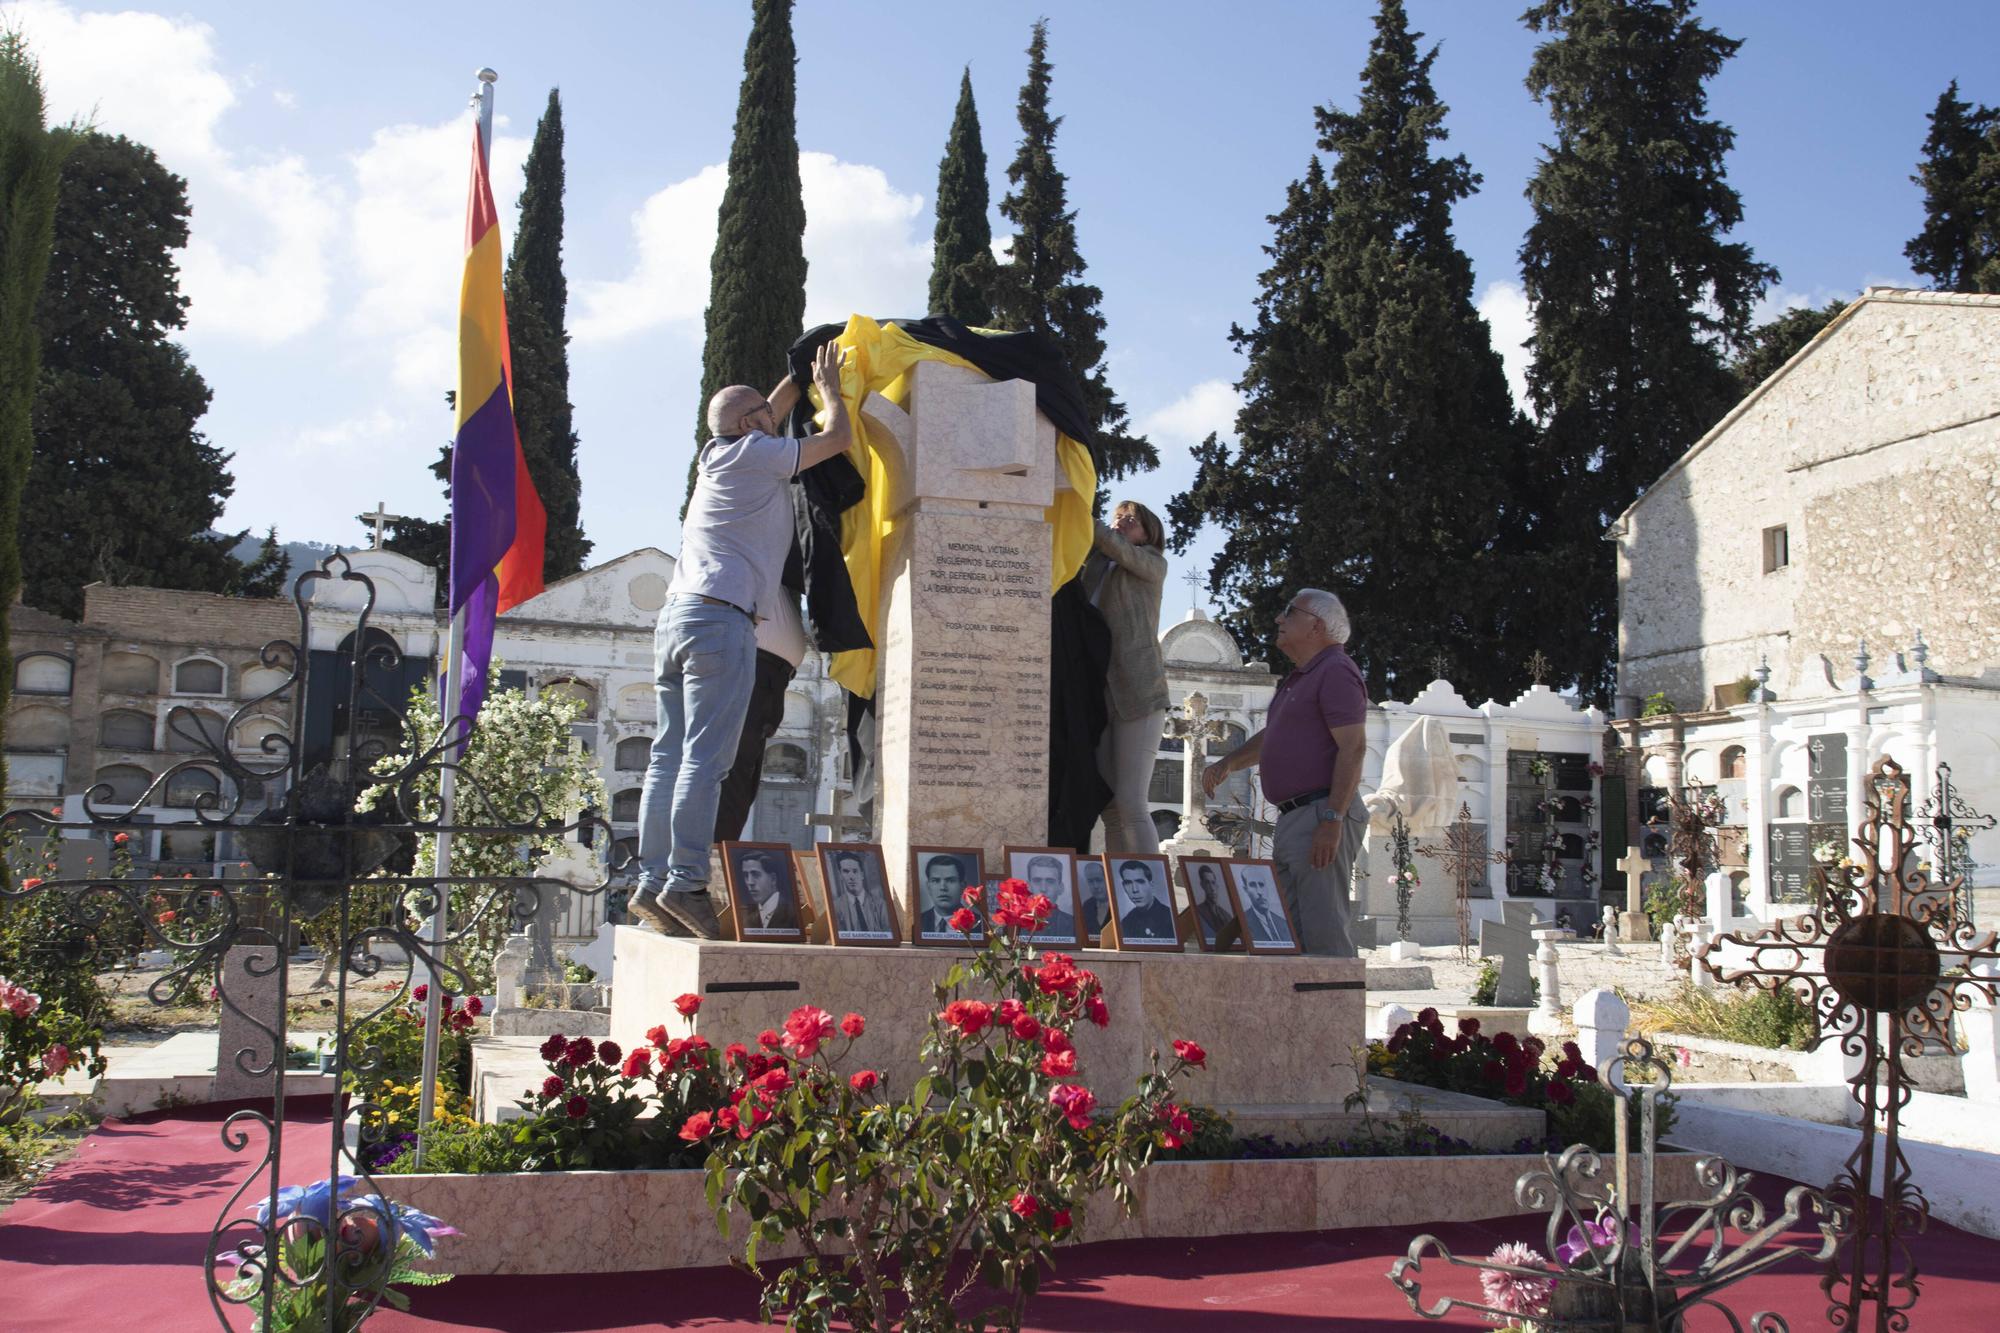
(657, 1035)
(971, 896)
(755, 1066)
(1075, 1102)
(167, 918)
(1057, 975)
(805, 1028)
(853, 1025)
(769, 1039)
(1587, 1073)
(1561, 1093)
(1059, 1219)
(553, 1086)
(609, 1052)
(475, 1006)
(638, 1064)
(1025, 1027)
(735, 1053)
(553, 1048)
(964, 920)
(1024, 1205)
(687, 1005)
(578, 1107)
(121, 838)
(1055, 1039)
(864, 1081)
(725, 1119)
(776, 1080)
(697, 1127)
(461, 1021)
(1191, 1054)
(420, 994)
(1094, 1009)
(1005, 1012)
(1041, 907)
(968, 1016)
(1059, 1064)
(1180, 1126)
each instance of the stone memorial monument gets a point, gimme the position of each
(963, 692)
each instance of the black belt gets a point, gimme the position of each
(1307, 798)
(713, 601)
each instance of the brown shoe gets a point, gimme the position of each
(642, 905)
(692, 909)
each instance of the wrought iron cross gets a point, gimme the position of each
(1463, 855)
(1439, 664)
(1193, 580)
(1870, 958)
(1405, 870)
(1941, 820)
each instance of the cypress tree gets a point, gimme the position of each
(1377, 428)
(1636, 297)
(962, 246)
(31, 159)
(124, 488)
(537, 310)
(267, 575)
(1040, 287)
(757, 275)
(1961, 211)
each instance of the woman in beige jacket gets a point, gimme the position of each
(1125, 576)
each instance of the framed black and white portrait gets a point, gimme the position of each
(1211, 914)
(1142, 903)
(1051, 872)
(763, 894)
(1267, 926)
(1093, 901)
(857, 894)
(939, 877)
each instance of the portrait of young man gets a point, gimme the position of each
(1145, 909)
(766, 902)
(1050, 872)
(941, 878)
(855, 893)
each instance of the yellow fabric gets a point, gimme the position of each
(879, 359)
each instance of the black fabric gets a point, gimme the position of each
(1079, 659)
(1001, 356)
(815, 567)
(767, 710)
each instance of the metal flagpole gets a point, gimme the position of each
(450, 689)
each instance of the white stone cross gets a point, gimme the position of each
(1634, 865)
(1193, 726)
(378, 519)
(1513, 945)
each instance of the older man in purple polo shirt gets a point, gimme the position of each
(1309, 757)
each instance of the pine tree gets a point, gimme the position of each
(757, 275)
(123, 487)
(1039, 286)
(269, 574)
(1961, 215)
(962, 266)
(1377, 426)
(537, 310)
(1776, 341)
(1636, 297)
(31, 162)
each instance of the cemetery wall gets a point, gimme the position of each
(1877, 451)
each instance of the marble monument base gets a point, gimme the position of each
(1279, 1030)
(1634, 928)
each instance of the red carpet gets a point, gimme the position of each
(113, 1239)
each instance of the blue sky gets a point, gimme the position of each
(326, 151)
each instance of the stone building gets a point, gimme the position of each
(1852, 496)
(1835, 535)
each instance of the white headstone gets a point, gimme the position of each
(1981, 1060)
(1513, 945)
(1716, 886)
(1601, 1020)
(1390, 1017)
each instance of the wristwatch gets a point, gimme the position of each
(1328, 815)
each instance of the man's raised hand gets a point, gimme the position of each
(827, 362)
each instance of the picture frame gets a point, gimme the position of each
(1032, 865)
(1093, 902)
(854, 881)
(928, 898)
(766, 905)
(1211, 918)
(1260, 907)
(1136, 926)
(812, 894)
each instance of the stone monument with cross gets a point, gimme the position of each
(379, 519)
(1512, 941)
(1195, 729)
(962, 695)
(1634, 927)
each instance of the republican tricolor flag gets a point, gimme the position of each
(497, 521)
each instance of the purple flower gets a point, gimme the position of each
(1592, 1238)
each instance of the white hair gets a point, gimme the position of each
(1319, 602)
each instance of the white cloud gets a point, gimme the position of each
(1211, 405)
(257, 266)
(862, 252)
(1504, 306)
(289, 101)
(1783, 300)
(408, 242)
(355, 435)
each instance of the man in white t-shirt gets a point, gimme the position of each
(734, 541)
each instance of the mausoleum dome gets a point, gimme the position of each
(1200, 642)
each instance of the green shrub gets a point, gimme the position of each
(453, 1148)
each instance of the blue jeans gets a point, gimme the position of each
(704, 663)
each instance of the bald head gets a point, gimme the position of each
(729, 407)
